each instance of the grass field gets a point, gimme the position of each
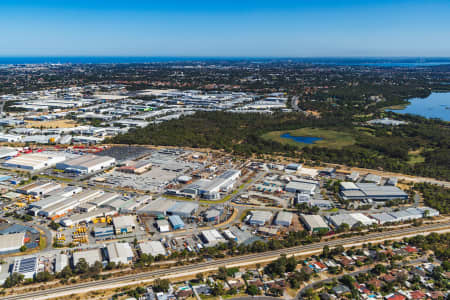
(331, 139)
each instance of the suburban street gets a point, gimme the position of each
(312, 284)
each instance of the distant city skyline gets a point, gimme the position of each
(225, 29)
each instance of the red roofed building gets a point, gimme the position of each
(346, 261)
(417, 295)
(411, 249)
(396, 297)
(436, 295)
(376, 283)
(387, 278)
(319, 266)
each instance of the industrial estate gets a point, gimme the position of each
(84, 215)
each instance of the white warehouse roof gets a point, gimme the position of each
(283, 218)
(9, 242)
(363, 219)
(34, 161)
(153, 248)
(260, 217)
(90, 256)
(212, 237)
(120, 253)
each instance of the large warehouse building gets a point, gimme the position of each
(26, 266)
(350, 219)
(86, 164)
(34, 162)
(62, 206)
(183, 209)
(11, 242)
(176, 222)
(55, 197)
(210, 189)
(313, 222)
(303, 186)
(120, 253)
(407, 214)
(8, 152)
(260, 217)
(212, 237)
(164, 206)
(365, 191)
(139, 167)
(283, 218)
(39, 188)
(157, 207)
(153, 248)
(90, 256)
(124, 224)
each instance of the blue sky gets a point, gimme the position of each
(225, 28)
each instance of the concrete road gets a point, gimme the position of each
(294, 104)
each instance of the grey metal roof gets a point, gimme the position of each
(383, 217)
(314, 221)
(183, 208)
(283, 217)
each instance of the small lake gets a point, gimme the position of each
(301, 139)
(437, 105)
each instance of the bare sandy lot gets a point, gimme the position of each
(51, 124)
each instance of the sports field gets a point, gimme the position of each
(330, 138)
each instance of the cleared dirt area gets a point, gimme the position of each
(51, 124)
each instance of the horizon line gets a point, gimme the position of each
(221, 56)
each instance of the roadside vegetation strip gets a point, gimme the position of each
(42, 241)
(330, 138)
(178, 198)
(55, 178)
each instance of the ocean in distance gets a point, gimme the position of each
(362, 61)
(436, 105)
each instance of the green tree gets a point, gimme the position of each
(53, 225)
(199, 277)
(379, 269)
(253, 290)
(217, 289)
(65, 273)
(81, 267)
(43, 276)
(161, 285)
(222, 273)
(13, 280)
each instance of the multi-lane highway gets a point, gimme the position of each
(209, 265)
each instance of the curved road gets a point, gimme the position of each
(200, 267)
